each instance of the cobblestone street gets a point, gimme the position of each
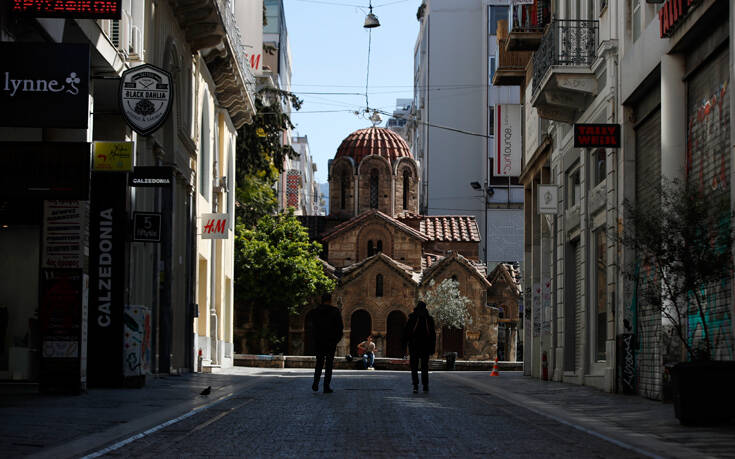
(369, 414)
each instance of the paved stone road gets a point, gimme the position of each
(369, 414)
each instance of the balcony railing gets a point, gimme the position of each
(238, 48)
(568, 42)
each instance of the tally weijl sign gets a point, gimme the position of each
(145, 97)
(51, 89)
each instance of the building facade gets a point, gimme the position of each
(658, 75)
(453, 136)
(144, 291)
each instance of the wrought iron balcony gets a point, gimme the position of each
(563, 82)
(527, 26)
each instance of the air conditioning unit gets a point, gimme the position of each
(120, 34)
(136, 43)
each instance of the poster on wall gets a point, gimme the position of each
(548, 199)
(507, 140)
(113, 156)
(146, 94)
(51, 89)
(65, 234)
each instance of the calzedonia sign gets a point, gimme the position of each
(44, 85)
(70, 9)
(596, 136)
(146, 94)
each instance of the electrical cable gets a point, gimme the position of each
(367, 77)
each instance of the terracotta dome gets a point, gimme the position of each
(373, 141)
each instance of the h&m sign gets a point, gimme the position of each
(596, 136)
(215, 226)
(44, 85)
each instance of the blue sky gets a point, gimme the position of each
(329, 51)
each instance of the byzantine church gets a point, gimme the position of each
(383, 254)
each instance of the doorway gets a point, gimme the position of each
(453, 340)
(395, 323)
(361, 325)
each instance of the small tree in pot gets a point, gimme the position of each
(685, 248)
(448, 307)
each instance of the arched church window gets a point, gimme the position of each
(380, 246)
(406, 187)
(343, 192)
(371, 249)
(374, 189)
(379, 285)
(454, 277)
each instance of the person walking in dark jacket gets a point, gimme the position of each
(420, 336)
(327, 332)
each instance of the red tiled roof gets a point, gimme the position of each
(364, 216)
(373, 141)
(450, 228)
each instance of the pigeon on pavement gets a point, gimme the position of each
(206, 391)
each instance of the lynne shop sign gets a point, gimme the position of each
(145, 97)
(49, 90)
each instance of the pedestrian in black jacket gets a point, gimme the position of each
(419, 335)
(327, 332)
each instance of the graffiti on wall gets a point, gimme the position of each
(707, 149)
(716, 318)
(137, 340)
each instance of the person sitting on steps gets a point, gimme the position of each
(367, 350)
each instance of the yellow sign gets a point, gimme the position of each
(113, 156)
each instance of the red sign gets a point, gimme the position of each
(596, 136)
(79, 9)
(672, 13)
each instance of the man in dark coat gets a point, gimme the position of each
(420, 336)
(327, 332)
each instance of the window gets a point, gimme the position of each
(491, 70)
(574, 188)
(379, 285)
(379, 247)
(371, 249)
(204, 150)
(599, 163)
(496, 14)
(590, 9)
(343, 192)
(601, 294)
(374, 189)
(636, 19)
(491, 123)
(406, 188)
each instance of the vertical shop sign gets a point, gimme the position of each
(108, 276)
(508, 140)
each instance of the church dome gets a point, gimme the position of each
(373, 141)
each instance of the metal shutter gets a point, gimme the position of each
(579, 315)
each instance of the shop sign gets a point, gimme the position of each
(507, 140)
(51, 89)
(113, 156)
(146, 227)
(548, 202)
(672, 14)
(65, 234)
(69, 9)
(108, 267)
(151, 176)
(215, 226)
(146, 94)
(596, 136)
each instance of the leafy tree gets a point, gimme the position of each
(686, 246)
(446, 304)
(278, 271)
(255, 199)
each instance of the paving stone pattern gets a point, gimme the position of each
(369, 414)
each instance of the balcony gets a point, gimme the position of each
(211, 29)
(563, 82)
(528, 24)
(511, 66)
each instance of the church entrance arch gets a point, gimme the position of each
(453, 340)
(309, 343)
(395, 323)
(361, 325)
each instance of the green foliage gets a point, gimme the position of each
(256, 198)
(446, 304)
(686, 245)
(277, 266)
(260, 151)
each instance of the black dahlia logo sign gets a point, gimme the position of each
(145, 97)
